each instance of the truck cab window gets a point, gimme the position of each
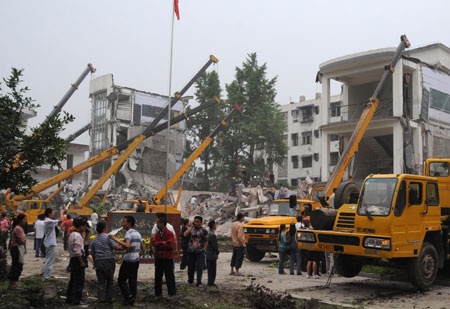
(432, 197)
(415, 193)
(401, 200)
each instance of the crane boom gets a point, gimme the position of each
(352, 146)
(108, 153)
(184, 168)
(58, 107)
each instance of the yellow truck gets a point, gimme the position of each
(261, 234)
(399, 219)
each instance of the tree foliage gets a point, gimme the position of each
(253, 138)
(22, 152)
(260, 127)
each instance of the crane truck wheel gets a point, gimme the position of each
(344, 192)
(346, 265)
(423, 269)
(253, 254)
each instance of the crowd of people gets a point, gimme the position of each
(288, 247)
(199, 245)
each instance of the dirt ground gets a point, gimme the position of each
(260, 287)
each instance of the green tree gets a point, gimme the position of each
(201, 124)
(21, 152)
(260, 127)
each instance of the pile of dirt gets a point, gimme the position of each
(34, 293)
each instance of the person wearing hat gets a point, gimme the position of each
(17, 249)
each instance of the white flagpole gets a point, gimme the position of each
(170, 109)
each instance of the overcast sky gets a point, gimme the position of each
(54, 40)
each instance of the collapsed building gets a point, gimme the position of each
(119, 113)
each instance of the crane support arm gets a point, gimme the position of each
(108, 153)
(185, 167)
(73, 88)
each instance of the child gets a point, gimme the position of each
(212, 253)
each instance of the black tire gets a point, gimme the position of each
(254, 255)
(423, 269)
(346, 265)
(343, 193)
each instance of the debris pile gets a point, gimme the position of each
(262, 297)
(253, 202)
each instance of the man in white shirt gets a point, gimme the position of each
(94, 220)
(39, 229)
(50, 241)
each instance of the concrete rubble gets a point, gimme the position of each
(253, 202)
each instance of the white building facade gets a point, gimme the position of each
(412, 121)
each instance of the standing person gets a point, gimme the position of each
(184, 243)
(4, 229)
(67, 228)
(49, 241)
(272, 178)
(293, 247)
(94, 220)
(102, 251)
(128, 272)
(169, 227)
(39, 229)
(299, 225)
(140, 207)
(282, 249)
(17, 249)
(212, 253)
(198, 242)
(238, 243)
(86, 239)
(77, 264)
(163, 241)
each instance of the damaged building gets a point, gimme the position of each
(411, 123)
(119, 114)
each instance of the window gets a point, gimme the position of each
(334, 137)
(69, 161)
(415, 193)
(295, 115)
(306, 113)
(294, 182)
(294, 139)
(307, 161)
(334, 158)
(316, 133)
(439, 169)
(335, 109)
(294, 160)
(440, 100)
(432, 194)
(285, 119)
(99, 130)
(307, 138)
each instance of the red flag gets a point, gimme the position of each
(176, 9)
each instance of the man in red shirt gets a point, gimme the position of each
(67, 228)
(163, 242)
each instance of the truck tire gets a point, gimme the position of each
(346, 265)
(343, 193)
(423, 269)
(254, 255)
